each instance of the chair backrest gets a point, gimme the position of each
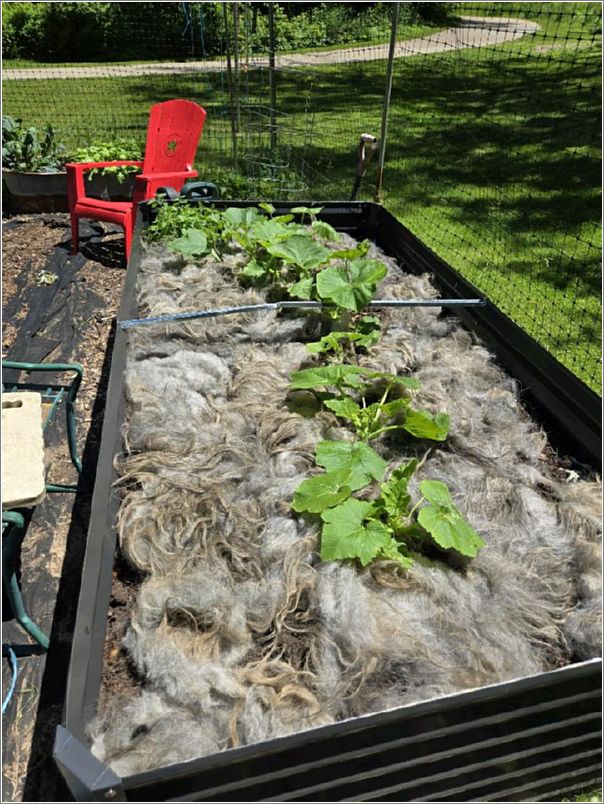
(172, 136)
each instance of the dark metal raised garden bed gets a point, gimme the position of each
(530, 739)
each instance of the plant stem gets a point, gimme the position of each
(382, 400)
(386, 429)
(415, 507)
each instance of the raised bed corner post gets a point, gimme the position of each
(386, 107)
(87, 777)
(272, 76)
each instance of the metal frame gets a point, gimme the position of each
(13, 531)
(533, 737)
(54, 394)
(13, 522)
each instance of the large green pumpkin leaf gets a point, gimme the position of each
(350, 253)
(326, 376)
(345, 536)
(422, 424)
(267, 232)
(306, 210)
(346, 408)
(193, 243)
(351, 286)
(386, 410)
(368, 330)
(326, 231)
(315, 494)
(443, 521)
(254, 270)
(357, 458)
(394, 379)
(333, 341)
(237, 217)
(300, 250)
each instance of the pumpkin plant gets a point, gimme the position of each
(294, 259)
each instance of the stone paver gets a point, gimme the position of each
(473, 32)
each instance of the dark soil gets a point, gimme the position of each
(120, 678)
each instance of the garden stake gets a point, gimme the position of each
(293, 305)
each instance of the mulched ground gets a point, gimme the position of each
(55, 308)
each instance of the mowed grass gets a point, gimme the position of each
(493, 158)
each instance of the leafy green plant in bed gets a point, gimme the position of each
(26, 150)
(183, 227)
(355, 387)
(387, 527)
(119, 149)
(348, 289)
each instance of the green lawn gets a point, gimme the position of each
(493, 156)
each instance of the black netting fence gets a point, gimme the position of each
(493, 150)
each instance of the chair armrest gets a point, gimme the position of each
(75, 175)
(81, 167)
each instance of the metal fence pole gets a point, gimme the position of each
(272, 75)
(230, 85)
(237, 81)
(386, 107)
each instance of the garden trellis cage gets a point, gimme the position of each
(493, 157)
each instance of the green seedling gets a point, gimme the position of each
(311, 212)
(365, 333)
(354, 386)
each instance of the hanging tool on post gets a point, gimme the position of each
(364, 158)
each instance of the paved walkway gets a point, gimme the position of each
(473, 32)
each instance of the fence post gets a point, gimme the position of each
(272, 75)
(237, 81)
(386, 108)
(230, 85)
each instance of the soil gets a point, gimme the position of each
(119, 675)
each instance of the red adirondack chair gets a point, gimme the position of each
(172, 136)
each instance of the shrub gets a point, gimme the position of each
(91, 31)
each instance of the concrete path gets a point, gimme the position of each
(473, 32)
